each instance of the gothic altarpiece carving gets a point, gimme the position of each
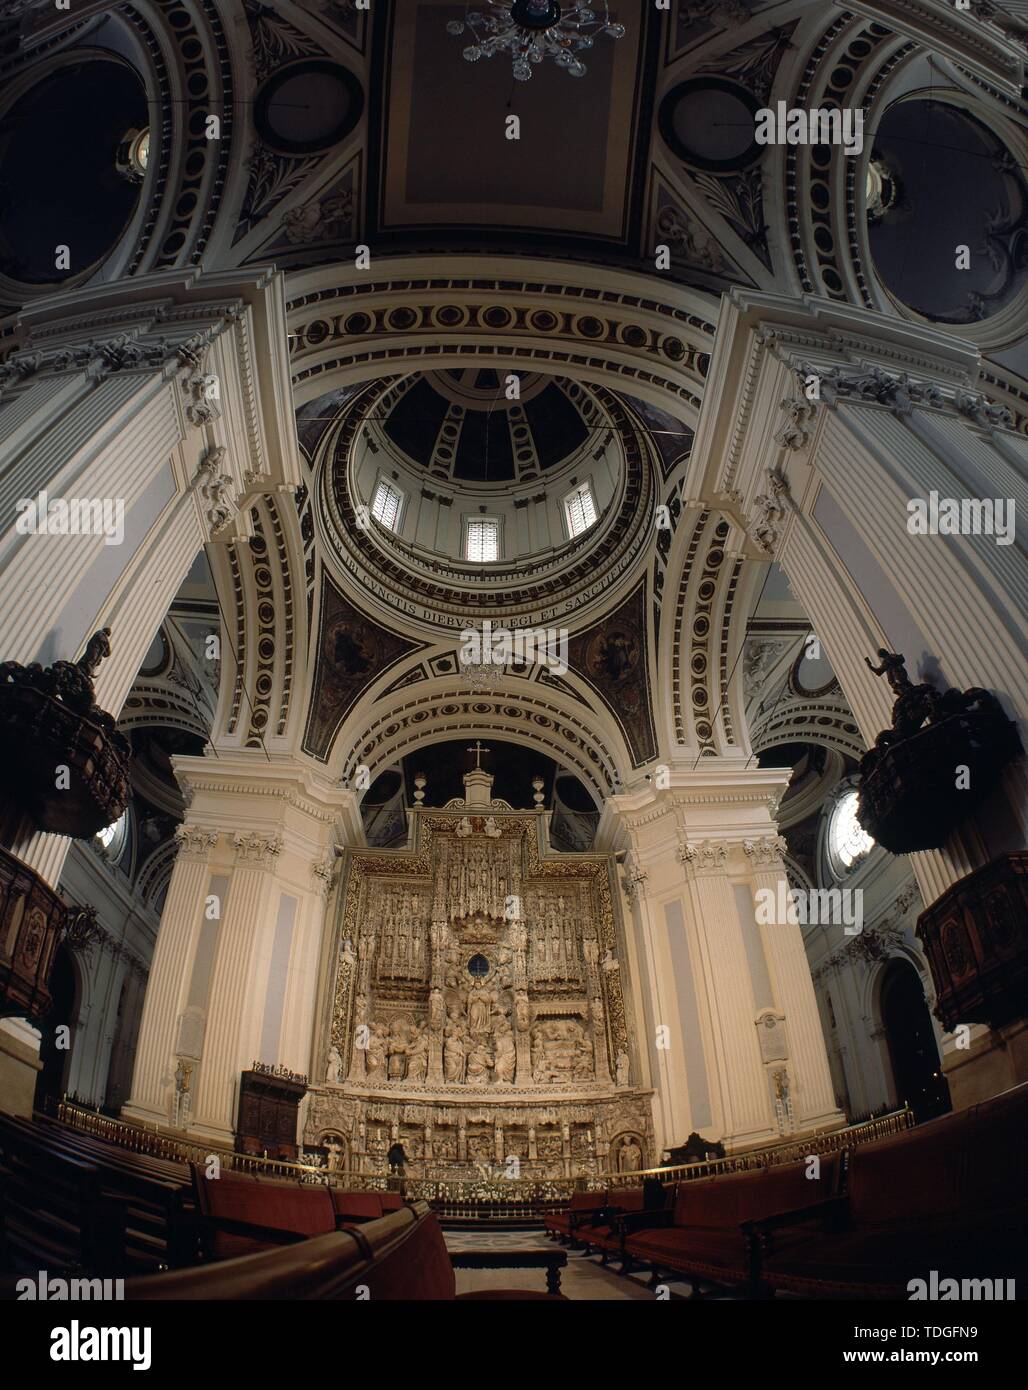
(477, 1009)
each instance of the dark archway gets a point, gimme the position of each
(63, 989)
(916, 1068)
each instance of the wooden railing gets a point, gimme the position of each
(477, 1195)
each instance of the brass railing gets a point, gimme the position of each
(495, 1196)
(829, 1142)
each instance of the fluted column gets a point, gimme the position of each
(168, 984)
(133, 421)
(812, 1093)
(235, 977)
(745, 1100)
(818, 440)
(233, 1022)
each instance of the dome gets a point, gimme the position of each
(464, 425)
(446, 490)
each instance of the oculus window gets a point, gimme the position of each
(848, 841)
(112, 837)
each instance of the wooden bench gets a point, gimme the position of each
(125, 1221)
(949, 1196)
(703, 1236)
(582, 1205)
(600, 1233)
(398, 1257)
(240, 1214)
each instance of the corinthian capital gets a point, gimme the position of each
(256, 849)
(767, 850)
(324, 875)
(704, 854)
(194, 841)
(633, 878)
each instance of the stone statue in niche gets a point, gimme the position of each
(454, 1051)
(506, 1052)
(335, 1066)
(480, 1063)
(436, 1010)
(481, 1002)
(376, 1052)
(622, 1067)
(463, 827)
(629, 1156)
(522, 1016)
(398, 1047)
(491, 828)
(417, 1060)
(561, 1051)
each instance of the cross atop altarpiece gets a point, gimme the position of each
(478, 750)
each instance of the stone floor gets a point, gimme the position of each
(583, 1277)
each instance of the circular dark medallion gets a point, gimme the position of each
(308, 106)
(710, 123)
(478, 966)
(59, 179)
(535, 14)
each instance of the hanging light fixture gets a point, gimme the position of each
(531, 30)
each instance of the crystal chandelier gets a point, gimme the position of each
(531, 30)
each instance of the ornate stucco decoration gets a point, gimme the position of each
(983, 412)
(768, 850)
(260, 850)
(764, 529)
(704, 854)
(875, 385)
(217, 491)
(196, 841)
(203, 392)
(798, 417)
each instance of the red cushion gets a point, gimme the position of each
(719, 1254)
(626, 1199)
(305, 1211)
(506, 1295)
(419, 1268)
(996, 1162)
(879, 1262)
(723, 1203)
(910, 1177)
(586, 1201)
(357, 1206)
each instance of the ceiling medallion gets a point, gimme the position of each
(531, 30)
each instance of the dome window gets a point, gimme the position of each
(386, 506)
(482, 541)
(580, 509)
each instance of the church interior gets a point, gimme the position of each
(512, 651)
